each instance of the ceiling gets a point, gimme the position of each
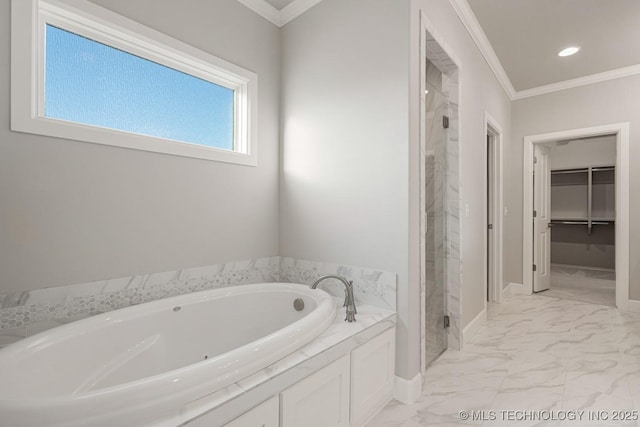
(520, 39)
(526, 36)
(279, 4)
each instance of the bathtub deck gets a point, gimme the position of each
(338, 339)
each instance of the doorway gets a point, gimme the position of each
(538, 218)
(493, 211)
(580, 229)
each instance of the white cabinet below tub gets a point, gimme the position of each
(346, 393)
(372, 377)
(320, 400)
(263, 415)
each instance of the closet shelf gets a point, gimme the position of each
(581, 222)
(577, 218)
(567, 218)
(583, 196)
(583, 170)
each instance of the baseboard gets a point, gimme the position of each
(513, 289)
(470, 330)
(633, 306)
(407, 391)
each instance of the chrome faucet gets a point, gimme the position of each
(349, 301)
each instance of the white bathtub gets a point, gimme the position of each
(142, 364)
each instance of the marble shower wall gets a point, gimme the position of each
(449, 153)
(58, 305)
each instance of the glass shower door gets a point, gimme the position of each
(435, 186)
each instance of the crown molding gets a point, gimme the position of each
(264, 9)
(581, 81)
(466, 15)
(470, 22)
(295, 9)
(280, 17)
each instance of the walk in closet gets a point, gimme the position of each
(583, 216)
(583, 219)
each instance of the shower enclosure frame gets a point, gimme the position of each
(434, 49)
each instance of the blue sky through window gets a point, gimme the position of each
(91, 83)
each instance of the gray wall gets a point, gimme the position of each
(613, 101)
(73, 212)
(581, 153)
(349, 108)
(344, 196)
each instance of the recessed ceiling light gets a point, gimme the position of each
(568, 51)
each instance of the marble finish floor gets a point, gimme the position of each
(533, 353)
(582, 284)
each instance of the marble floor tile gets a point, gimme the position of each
(582, 284)
(533, 353)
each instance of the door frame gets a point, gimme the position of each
(493, 128)
(621, 130)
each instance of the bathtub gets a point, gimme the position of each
(140, 365)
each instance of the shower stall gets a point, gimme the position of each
(440, 221)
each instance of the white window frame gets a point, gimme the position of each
(28, 31)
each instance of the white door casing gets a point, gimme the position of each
(490, 218)
(542, 220)
(495, 213)
(621, 130)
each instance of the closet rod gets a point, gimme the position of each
(570, 222)
(556, 172)
(581, 222)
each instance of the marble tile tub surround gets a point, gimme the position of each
(26, 313)
(533, 354)
(66, 303)
(373, 287)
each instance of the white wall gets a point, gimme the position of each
(602, 103)
(344, 195)
(73, 212)
(480, 91)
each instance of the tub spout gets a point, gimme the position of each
(349, 301)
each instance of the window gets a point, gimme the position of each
(82, 72)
